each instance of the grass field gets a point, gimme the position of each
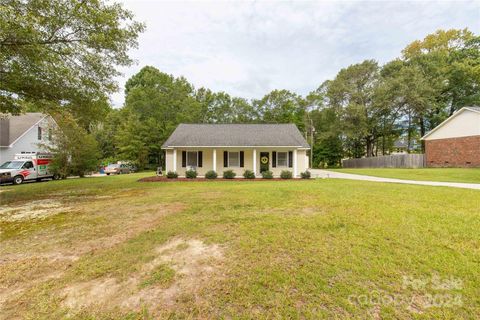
(468, 175)
(108, 248)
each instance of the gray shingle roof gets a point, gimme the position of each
(233, 135)
(12, 127)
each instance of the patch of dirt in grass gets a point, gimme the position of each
(123, 224)
(375, 312)
(194, 263)
(417, 304)
(14, 277)
(131, 226)
(25, 265)
(50, 257)
(310, 210)
(39, 209)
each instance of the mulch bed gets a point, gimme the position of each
(165, 179)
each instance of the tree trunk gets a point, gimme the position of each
(369, 143)
(383, 140)
(409, 133)
(453, 105)
(422, 132)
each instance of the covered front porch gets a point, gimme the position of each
(236, 159)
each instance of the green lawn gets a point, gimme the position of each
(469, 175)
(112, 247)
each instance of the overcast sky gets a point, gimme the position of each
(250, 48)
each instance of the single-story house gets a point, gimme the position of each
(237, 147)
(456, 141)
(25, 133)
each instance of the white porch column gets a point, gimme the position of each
(295, 169)
(255, 161)
(174, 160)
(215, 160)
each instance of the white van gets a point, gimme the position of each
(26, 166)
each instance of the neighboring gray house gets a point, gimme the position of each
(401, 145)
(237, 147)
(24, 133)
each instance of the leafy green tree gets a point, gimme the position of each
(409, 96)
(375, 105)
(327, 145)
(464, 75)
(352, 95)
(62, 53)
(327, 152)
(105, 133)
(451, 59)
(132, 141)
(220, 107)
(155, 103)
(438, 76)
(75, 150)
(281, 106)
(216, 107)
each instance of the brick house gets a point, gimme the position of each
(456, 141)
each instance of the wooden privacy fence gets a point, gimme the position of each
(391, 161)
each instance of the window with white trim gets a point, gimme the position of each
(39, 133)
(282, 159)
(234, 159)
(192, 158)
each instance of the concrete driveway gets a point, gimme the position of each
(317, 173)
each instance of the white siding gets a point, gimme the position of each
(465, 123)
(28, 142)
(248, 161)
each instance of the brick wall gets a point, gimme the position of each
(453, 152)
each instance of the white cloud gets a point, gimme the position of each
(250, 48)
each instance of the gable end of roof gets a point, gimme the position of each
(15, 127)
(453, 116)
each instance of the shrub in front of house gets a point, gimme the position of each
(211, 175)
(191, 174)
(306, 175)
(285, 174)
(172, 175)
(229, 174)
(248, 174)
(267, 175)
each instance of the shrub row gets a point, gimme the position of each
(229, 174)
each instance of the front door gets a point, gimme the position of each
(264, 161)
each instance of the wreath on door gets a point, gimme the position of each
(264, 160)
